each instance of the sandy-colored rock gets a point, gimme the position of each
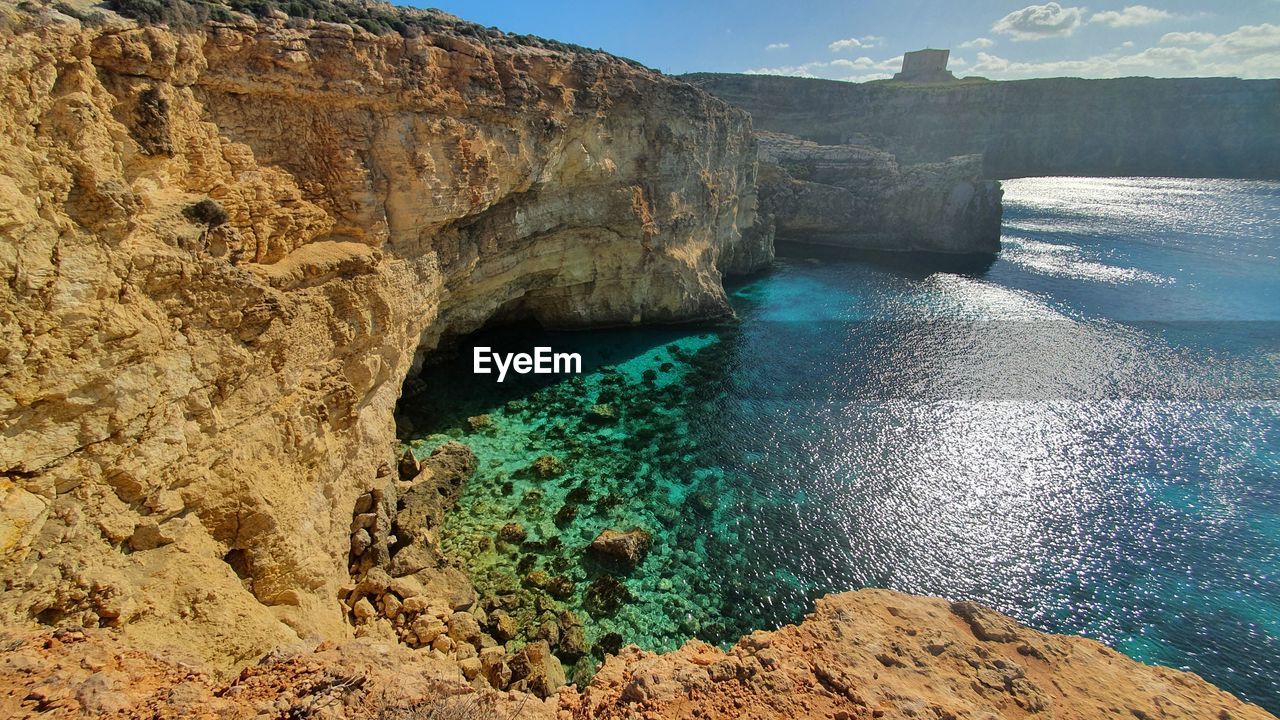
(535, 670)
(91, 674)
(198, 445)
(881, 654)
(623, 547)
(380, 192)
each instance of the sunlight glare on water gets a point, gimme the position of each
(1084, 434)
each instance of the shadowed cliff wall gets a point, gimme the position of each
(1199, 127)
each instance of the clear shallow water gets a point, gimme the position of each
(1084, 433)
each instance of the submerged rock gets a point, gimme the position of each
(609, 644)
(605, 595)
(626, 548)
(560, 587)
(513, 533)
(547, 466)
(566, 514)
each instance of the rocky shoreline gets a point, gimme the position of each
(227, 248)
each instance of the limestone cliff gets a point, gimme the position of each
(195, 396)
(1191, 127)
(855, 196)
(225, 248)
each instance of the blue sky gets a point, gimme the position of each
(853, 40)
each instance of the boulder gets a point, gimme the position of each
(493, 663)
(536, 670)
(513, 533)
(409, 466)
(623, 547)
(463, 627)
(502, 626)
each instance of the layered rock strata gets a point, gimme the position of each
(196, 395)
(855, 196)
(224, 250)
(1189, 127)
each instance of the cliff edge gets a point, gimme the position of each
(224, 248)
(227, 245)
(1180, 127)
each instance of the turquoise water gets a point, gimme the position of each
(1084, 433)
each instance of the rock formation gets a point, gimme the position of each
(869, 654)
(881, 654)
(625, 548)
(855, 196)
(226, 247)
(194, 403)
(1193, 127)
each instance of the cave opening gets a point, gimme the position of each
(560, 459)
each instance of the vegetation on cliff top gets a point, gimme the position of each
(376, 17)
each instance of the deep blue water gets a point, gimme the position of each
(1084, 433)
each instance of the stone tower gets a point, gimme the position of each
(925, 66)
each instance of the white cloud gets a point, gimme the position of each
(1037, 22)
(1187, 38)
(867, 41)
(862, 62)
(776, 46)
(1131, 16)
(980, 43)
(1251, 51)
(860, 69)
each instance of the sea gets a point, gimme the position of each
(1082, 432)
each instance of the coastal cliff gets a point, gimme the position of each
(854, 196)
(1193, 127)
(226, 247)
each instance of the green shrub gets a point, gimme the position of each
(174, 13)
(207, 212)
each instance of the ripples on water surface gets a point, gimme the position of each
(1084, 434)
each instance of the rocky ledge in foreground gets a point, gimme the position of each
(882, 654)
(866, 654)
(859, 197)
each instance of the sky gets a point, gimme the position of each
(858, 41)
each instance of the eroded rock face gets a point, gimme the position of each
(192, 410)
(881, 654)
(1159, 127)
(855, 196)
